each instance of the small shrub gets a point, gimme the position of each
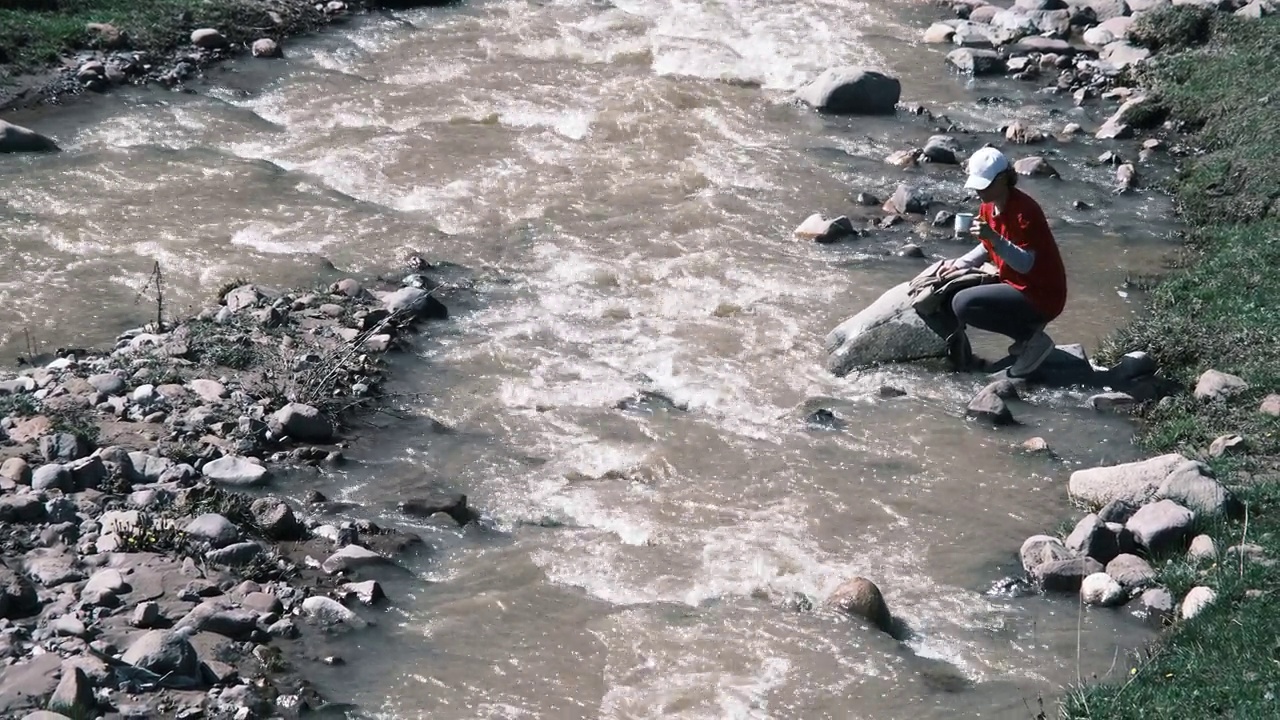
(18, 406)
(1172, 28)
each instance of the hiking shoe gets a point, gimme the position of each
(1034, 352)
(1016, 349)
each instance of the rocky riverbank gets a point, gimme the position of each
(148, 571)
(52, 51)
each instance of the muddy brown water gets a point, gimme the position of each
(621, 179)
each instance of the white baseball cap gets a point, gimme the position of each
(984, 166)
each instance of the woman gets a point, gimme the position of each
(1015, 237)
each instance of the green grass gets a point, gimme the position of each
(1220, 309)
(35, 33)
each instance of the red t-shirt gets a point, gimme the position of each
(1023, 223)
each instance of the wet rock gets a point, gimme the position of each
(1065, 575)
(1010, 26)
(977, 62)
(164, 651)
(208, 39)
(867, 200)
(988, 407)
(216, 617)
(1035, 166)
(1197, 599)
(214, 529)
(414, 303)
(452, 504)
(1035, 445)
(1202, 548)
(263, 603)
(1160, 526)
(17, 139)
(368, 592)
(235, 472)
(939, 34)
(52, 477)
(1132, 483)
(1215, 386)
(1092, 537)
(904, 159)
(1134, 365)
(1126, 177)
(276, 519)
(145, 615)
(1112, 401)
(1190, 486)
(859, 597)
(351, 558)
(1021, 133)
(266, 48)
(329, 611)
(911, 250)
(908, 200)
(943, 149)
(1040, 549)
(852, 91)
(1131, 571)
(819, 228)
(1101, 590)
(889, 330)
(16, 470)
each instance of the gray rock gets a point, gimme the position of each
(1120, 54)
(977, 62)
(276, 519)
(63, 447)
(452, 504)
(859, 597)
(1187, 485)
(52, 567)
(1092, 537)
(1040, 549)
(943, 149)
(1132, 483)
(265, 48)
(21, 509)
(17, 470)
(815, 227)
(16, 139)
(1197, 599)
(60, 510)
(1256, 10)
(349, 287)
(1101, 590)
(939, 34)
(1251, 552)
(414, 302)
(1035, 166)
(68, 626)
(211, 391)
(1160, 526)
(1009, 26)
(163, 651)
(1112, 401)
(103, 584)
(213, 528)
(1040, 4)
(1121, 125)
(908, 200)
(262, 603)
(235, 555)
(329, 611)
(1065, 575)
(368, 592)
(17, 596)
(1227, 444)
(215, 617)
(988, 407)
(88, 473)
(352, 557)
(145, 616)
(852, 91)
(1043, 46)
(887, 331)
(1131, 571)
(1156, 601)
(208, 39)
(52, 477)
(1202, 548)
(178, 474)
(107, 383)
(302, 422)
(18, 385)
(235, 471)
(1215, 386)
(284, 628)
(972, 35)
(149, 467)
(74, 694)
(243, 297)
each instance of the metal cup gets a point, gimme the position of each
(964, 223)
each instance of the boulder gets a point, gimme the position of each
(74, 694)
(983, 14)
(1202, 548)
(972, 35)
(162, 652)
(302, 423)
(1136, 113)
(1214, 386)
(1117, 511)
(243, 297)
(52, 477)
(1256, 10)
(988, 407)
(88, 473)
(1040, 549)
(1042, 46)
(235, 554)
(1010, 26)
(214, 529)
(1035, 166)
(208, 39)
(17, 470)
(943, 149)
(859, 597)
(1131, 571)
(16, 139)
(1160, 526)
(887, 331)
(1092, 538)
(1156, 601)
(939, 34)
(107, 36)
(145, 616)
(1188, 485)
(107, 581)
(1133, 483)
(235, 471)
(368, 592)
(329, 611)
(908, 200)
(414, 303)
(63, 447)
(819, 228)
(1120, 54)
(352, 557)
(17, 595)
(262, 603)
(1197, 599)
(1106, 10)
(852, 91)
(1102, 590)
(21, 509)
(1065, 575)
(216, 617)
(265, 48)
(977, 62)
(276, 519)
(452, 504)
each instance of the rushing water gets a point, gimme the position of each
(622, 178)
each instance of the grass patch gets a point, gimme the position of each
(35, 33)
(1219, 309)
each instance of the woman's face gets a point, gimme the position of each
(995, 192)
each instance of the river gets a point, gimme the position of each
(621, 179)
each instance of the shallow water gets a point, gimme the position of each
(622, 178)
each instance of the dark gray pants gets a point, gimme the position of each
(997, 308)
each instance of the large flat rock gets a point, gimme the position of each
(1133, 483)
(887, 331)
